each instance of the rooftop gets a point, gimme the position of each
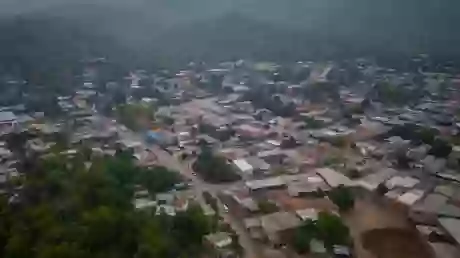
(308, 214)
(279, 221)
(243, 165)
(452, 226)
(6, 116)
(371, 181)
(411, 197)
(334, 178)
(265, 183)
(219, 239)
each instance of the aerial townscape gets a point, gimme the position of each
(235, 159)
(229, 129)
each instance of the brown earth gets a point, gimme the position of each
(381, 229)
(396, 243)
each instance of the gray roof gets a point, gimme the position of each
(251, 222)
(444, 250)
(7, 116)
(219, 239)
(379, 177)
(452, 226)
(279, 221)
(432, 203)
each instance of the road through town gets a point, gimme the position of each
(199, 186)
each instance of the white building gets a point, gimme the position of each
(243, 167)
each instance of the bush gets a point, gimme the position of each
(214, 169)
(342, 197)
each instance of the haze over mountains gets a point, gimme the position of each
(265, 29)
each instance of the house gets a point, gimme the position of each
(219, 245)
(273, 182)
(275, 156)
(399, 181)
(278, 226)
(396, 144)
(444, 250)
(411, 197)
(143, 203)
(418, 153)
(434, 165)
(372, 181)
(259, 166)
(219, 240)
(341, 251)
(243, 168)
(334, 178)
(249, 131)
(7, 118)
(38, 146)
(451, 226)
(317, 247)
(166, 209)
(308, 214)
(165, 198)
(8, 121)
(308, 186)
(253, 225)
(263, 115)
(433, 206)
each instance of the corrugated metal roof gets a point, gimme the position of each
(452, 226)
(334, 178)
(7, 116)
(243, 165)
(372, 181)
(279, 221)
(411, 197)
(407, 182)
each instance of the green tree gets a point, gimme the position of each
(214, 168)
(440, 148)
(342, 197)
(304, 235)
(78, 212)
(332, 230)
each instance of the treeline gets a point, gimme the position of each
(64, 209)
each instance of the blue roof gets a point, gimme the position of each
(154, 135)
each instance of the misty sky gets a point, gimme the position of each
(410, 22)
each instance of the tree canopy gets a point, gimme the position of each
(328, 228)
(342, 197)
(214, 168)
(65, 210)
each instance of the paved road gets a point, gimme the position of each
(165, 159)
(199, 186)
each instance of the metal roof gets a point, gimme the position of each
(6, 116)
(452, 226)
(243, 165)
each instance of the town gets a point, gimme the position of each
(303, 159)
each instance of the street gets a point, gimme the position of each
(199, 186)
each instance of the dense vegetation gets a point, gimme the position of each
(213, 168)
(342, 197)
(135, 116)
(328, 228)
(67, 210)
(439, 147)
(266, 96)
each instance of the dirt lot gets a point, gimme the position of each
(380, 230)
